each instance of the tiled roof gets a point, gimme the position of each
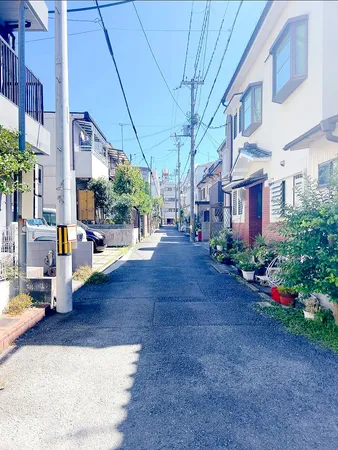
(253, 151)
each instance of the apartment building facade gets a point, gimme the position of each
(281, 113)
(37, 135)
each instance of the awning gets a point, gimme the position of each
(243, 183)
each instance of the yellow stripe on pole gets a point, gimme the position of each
(60, 240)
(65, 241)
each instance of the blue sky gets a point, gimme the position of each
(94, 86)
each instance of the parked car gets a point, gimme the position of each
(97, 237)
(38, 229)
(49, 215)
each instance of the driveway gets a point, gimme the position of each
(169, 355)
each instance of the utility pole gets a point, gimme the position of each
(176, 196)
(192, 84)
(22, 142)
(64, 302)
(179, 145)
(118, 153)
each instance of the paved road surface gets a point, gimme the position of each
(168, 355)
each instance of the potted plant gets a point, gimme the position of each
(248, 266)
(287, 295)
(312, 307)
(275, 294)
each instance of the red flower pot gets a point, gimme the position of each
(286, 300)
(275, 294)
(199, 236)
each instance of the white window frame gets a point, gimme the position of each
(277, 193)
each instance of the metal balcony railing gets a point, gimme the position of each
(9, 83)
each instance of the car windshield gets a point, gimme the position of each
(36, 222)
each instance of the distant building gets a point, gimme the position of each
(168, 193)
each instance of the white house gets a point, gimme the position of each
(36, 133)
(281, 110)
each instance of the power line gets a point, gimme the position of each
(114, 29)
(153, 55)
(186, 53)
(200, 43)
(89, 8)
(219, 68)
(110, 48)
(217, 40)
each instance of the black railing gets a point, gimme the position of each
(9, 83)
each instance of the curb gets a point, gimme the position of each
(26, 321)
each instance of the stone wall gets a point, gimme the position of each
(118, 235)
(37, 251)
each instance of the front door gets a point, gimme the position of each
(255, 211)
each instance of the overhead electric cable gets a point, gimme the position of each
(201, 39)
(188, 40)
(216, 43)
(154, 57)
(219, 68)
(110, 48)
(89, 8)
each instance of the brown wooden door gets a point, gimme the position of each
(255, 211)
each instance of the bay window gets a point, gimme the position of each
(251, 109)
(290, 63)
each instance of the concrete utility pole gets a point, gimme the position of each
(193, 83)
(175, 196)
(179, 145)
(64, 303)
(118, 152)
(22, 141)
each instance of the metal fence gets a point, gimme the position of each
(8, 249)
(220, 217)
(9, 83)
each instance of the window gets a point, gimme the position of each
(206, 216)
(289, 58)
(277, 199)
(240, 119)
(251, 109)
(325, 172)
(237, 204)
(203, 194)
(235, 126)
(169, 189)
(297, 188)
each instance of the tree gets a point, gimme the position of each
(103, 195)
(130, 191)
(13, 161)
(310, 241)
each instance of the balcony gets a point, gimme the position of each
(9, 83)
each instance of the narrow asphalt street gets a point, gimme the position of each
(169, 355)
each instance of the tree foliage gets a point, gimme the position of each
(310, 240)
(13, 161)
(130, 191)
(103, 194)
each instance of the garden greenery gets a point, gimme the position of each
(13, 161)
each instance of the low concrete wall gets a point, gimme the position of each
(5, 291)
(118, 235)
(37, 252)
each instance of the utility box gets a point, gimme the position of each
(85, 205)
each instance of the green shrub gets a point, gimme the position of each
(97, 278)
(18, 304)
(286, 290)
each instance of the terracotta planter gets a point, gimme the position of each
(199, 236)
(275, 294)
(286, 299)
